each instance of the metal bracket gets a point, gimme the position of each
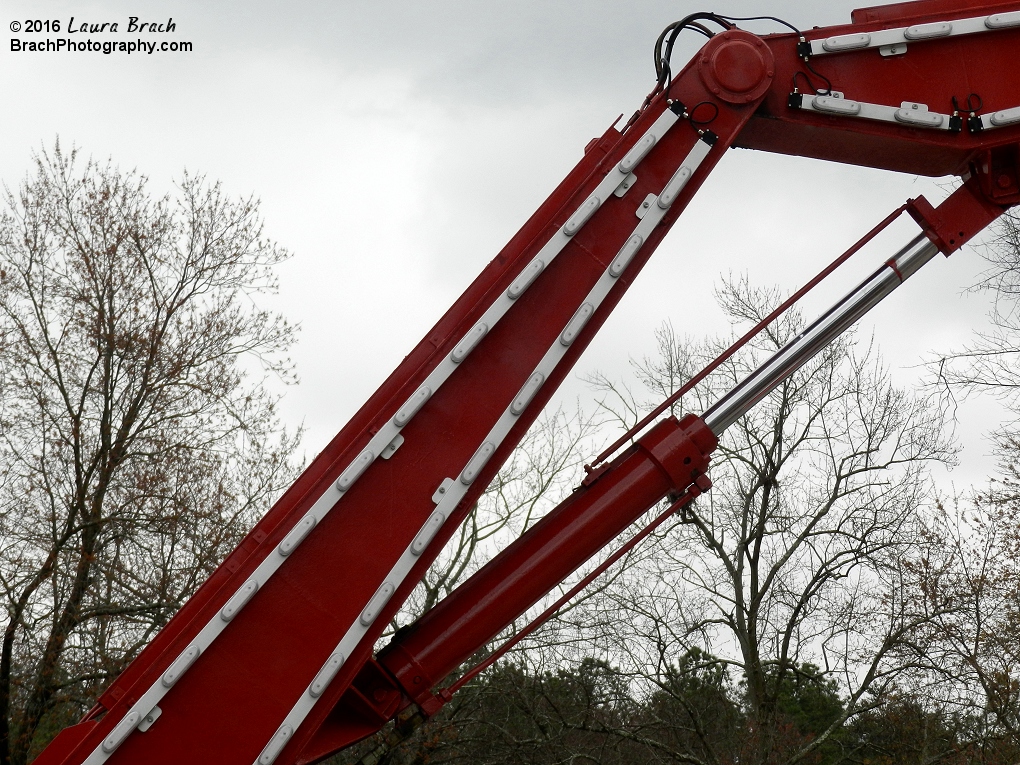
(441, 491)
(646, 205)
(625, 185)
(149, 719)
(896, 49)
(392, 447)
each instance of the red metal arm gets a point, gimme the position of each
(271, 661)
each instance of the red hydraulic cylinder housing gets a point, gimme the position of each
(671, 457)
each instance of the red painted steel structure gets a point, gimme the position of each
(228, 701)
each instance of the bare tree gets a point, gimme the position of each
(767, 620)
(791, 571)
(976, 646)
(991, 362)
(137, 442)
(973, 647)
(543, 468)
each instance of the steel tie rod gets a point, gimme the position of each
(824, 330)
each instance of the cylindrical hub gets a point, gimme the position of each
(736, 66)
(668, 458)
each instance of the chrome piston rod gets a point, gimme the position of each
(826, 328)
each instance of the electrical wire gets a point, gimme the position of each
(663, 56)
(969, 105)
(819, 75)
(786, 24)
(827, 89)
(694, 110)
(807, 79)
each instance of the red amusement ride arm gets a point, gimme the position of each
(272, 660)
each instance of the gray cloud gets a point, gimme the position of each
(398, 145)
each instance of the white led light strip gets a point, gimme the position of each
(908, 114)
(387, 436)
(1003, 118)
(917, 33)
(455, 490)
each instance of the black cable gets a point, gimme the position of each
(968, 106)
(807, 63)
(692, 112)
(669, 36)
(807, 80)
(663, 57)
(694, 26)
(679, 26)
(762, 18)
(819, 75)
(657, 50)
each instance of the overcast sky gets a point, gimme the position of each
(396, 146)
